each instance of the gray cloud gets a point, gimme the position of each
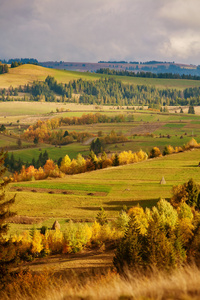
(91, 30)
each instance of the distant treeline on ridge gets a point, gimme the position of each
(147, 74)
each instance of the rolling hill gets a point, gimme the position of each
(28, 73)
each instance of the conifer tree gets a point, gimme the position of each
(5, 204)
(191, 110)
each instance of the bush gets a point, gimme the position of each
(102, 217)
(155, 152)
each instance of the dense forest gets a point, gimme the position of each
(109, 91)
(105, 91)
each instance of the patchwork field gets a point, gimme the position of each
(148, 130)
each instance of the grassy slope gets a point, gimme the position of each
(28, 73)
(54, 152)
(124, 185)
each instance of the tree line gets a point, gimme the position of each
(147, 74)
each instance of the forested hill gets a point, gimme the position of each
(107, 91)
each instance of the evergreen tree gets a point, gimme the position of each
(116, 160)
(45, 157)
(36, 140)
(102, 217)
(191, 110)
(96, 146)
(2, 128)
(66, 133)
(33, 163)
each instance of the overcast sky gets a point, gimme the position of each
(93, 30)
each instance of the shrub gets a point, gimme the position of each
(168, 150)
(155, 152)
(101, 217)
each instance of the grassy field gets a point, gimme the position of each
(111, 188)
(54, 152)
(28, 73)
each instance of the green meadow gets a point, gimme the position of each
(54, 152)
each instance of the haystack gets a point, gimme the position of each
(163, 180)
(56, 225)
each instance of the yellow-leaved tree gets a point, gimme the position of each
(65, 164)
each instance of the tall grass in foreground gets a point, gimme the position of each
(180, 284)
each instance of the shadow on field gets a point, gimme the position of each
(143, 203)
(118, 205)
(190, 166)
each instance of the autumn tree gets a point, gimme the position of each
(65, 164)
(155, 152)
(186, 193)
(5, 214)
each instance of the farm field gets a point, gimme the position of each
(54, 152)
(146, 131)
(26, 74)
(79, 197)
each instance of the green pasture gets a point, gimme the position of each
(28, 73)
(146, 143)
(55, 153)
(8, 141)
(110, 188)
(66, 186)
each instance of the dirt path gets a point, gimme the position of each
(89, 141)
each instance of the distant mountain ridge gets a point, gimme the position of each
(151, 66)
(131, 66)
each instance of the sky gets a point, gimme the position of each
(93, 30)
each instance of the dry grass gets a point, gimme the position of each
(181, 284)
